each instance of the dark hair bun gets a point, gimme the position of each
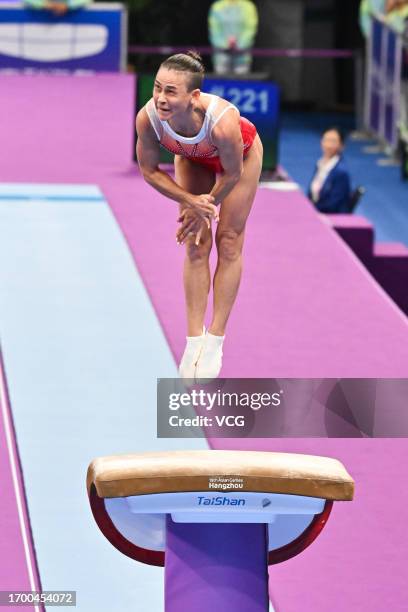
(195, 55)
(190, 62)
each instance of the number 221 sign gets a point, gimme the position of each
(258, 101)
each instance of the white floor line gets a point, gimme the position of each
(5, 408)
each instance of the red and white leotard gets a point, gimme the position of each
(200, 148)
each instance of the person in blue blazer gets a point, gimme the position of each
(330, 188)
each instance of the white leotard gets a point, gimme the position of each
(200, 145)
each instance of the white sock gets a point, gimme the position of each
(216, 340)
(210, 359)
(191, 354)
(196, 339)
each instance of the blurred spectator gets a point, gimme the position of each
(232, 27)
(330, 189)
(59, 8)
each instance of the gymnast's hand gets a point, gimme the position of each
(204, 204)
(192, 223)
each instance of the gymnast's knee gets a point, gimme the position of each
(198, 254)
(229, 246)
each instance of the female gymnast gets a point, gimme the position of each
(218, 161)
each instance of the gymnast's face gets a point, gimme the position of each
(331, 143)
(171, 95)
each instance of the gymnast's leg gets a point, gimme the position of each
(229, 240)
(195, 179)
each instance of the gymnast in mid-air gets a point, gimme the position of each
(218, 161)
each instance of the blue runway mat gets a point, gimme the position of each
(82, 350)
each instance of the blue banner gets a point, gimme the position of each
(92, 38)
(384, 58)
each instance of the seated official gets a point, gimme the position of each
(330, 188)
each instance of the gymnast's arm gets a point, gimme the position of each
(227, 137)
(147, 151)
